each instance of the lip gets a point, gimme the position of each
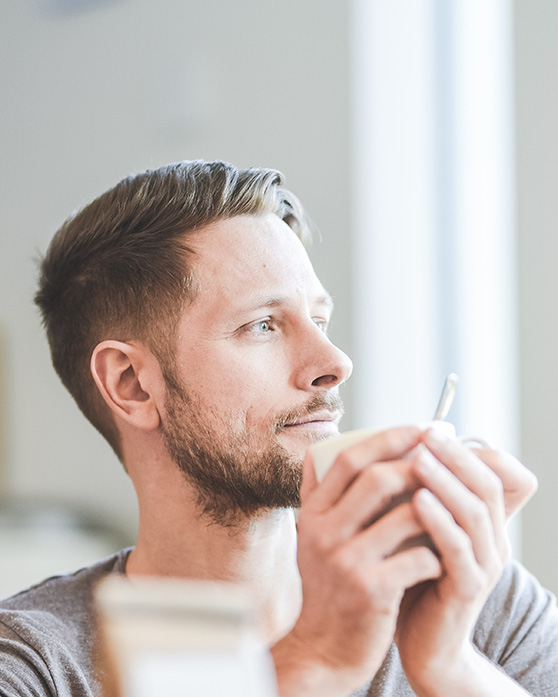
(319, 419)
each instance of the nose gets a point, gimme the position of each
(320, 363)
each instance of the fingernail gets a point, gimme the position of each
(426, 497)
(436, 436)
(427, 463)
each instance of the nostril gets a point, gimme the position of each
(325, 381)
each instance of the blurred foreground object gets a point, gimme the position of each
(177, 638)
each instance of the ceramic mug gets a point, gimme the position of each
(326, 451)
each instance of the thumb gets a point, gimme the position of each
(309, 479)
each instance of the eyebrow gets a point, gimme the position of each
(326, 300)
(277, 301)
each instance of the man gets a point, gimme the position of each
(185, 318)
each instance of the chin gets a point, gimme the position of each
(297, 445)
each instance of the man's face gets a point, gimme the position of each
(255, 379)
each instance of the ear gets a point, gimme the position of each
(129, 379)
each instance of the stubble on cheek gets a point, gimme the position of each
(235, 468)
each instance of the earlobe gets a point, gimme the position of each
(124, 375)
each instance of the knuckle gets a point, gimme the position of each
(346, 464)
(460, 545)
(479, 513)
(375, 477)
(394, 442)
(383, 480)
(494, 486)
(321, 541)
(390, 439)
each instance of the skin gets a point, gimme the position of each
(330, 595)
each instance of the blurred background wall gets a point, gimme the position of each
(91, 91)
(536, 68)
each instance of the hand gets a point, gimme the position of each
(463, 509)
(519, 483)
(352, 582)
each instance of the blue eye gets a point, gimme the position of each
(262, 327)
(321, 323)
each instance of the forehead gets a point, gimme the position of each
(248, 255)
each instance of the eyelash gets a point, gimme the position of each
(254, 328)
(260, 323)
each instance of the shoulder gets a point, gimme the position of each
(518, 630)
(47, 632)
(52, 591)
(517, 598)
(65, 596)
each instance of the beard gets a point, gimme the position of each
(232, 475)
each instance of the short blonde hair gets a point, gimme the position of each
(118, 269)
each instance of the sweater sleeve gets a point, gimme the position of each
(518, 631)
(23, 672)
(39, 657)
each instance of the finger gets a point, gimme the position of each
(378, 488)
(309, 479)
(387, 535)
(469, 470)
(452, 542)
(391, 444)
(408, 568)
(393, 571)
(485, 528)
(456, 549)
(519, 483)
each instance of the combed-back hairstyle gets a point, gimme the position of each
(118, 269)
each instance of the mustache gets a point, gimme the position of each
(320, 402)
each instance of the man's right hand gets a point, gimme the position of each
(352, 585)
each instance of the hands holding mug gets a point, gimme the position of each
(368, 577)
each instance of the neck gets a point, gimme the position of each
(258, 553)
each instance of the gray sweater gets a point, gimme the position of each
(47, 637)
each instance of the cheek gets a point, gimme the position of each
(247, 386)
(249, 376)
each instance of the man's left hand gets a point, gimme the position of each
(464, 505)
